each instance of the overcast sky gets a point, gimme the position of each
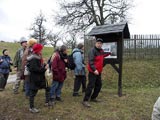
(16, 17)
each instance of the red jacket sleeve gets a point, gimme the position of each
(55, 63)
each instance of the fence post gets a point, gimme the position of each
(135, 46)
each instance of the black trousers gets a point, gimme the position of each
(3, 80)
(94, 86)
(33, 93)
(79, 79)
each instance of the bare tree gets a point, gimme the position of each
(39, 31)
(82, 14)
(53, 38)
(71, 41)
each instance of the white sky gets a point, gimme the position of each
(16, 17)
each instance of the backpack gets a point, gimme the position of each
(71, 65)
(26, 69)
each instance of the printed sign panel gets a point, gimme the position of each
(110, 47)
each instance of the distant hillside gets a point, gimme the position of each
(13, 47)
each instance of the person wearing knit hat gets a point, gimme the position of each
(37, 76)
(31, 42)
(37, 48)
(27, 52)
(5, 62)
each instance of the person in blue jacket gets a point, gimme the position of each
(79, 71)
(5, 62)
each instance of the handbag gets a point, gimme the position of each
(26, 71)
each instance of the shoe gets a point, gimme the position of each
(76, 95)
(59, 99)
(33, 110)
(86, 104)
(94, 100)
(51, 103)
(27, 97)
(1, 89)
(15, 92)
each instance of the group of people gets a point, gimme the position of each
(29, 58)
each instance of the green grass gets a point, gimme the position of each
(141, 86)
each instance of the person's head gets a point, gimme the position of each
(99, 43)
(5, 52)
(37, 48)
(63, 49)
(23, 42)
(80, 46)
(31, 42)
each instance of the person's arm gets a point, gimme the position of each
(55, 63)
(91, 58)
(78, 60)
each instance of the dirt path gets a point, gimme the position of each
(11, 78)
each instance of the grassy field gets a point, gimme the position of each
(141, 86)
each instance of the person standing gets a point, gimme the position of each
(37, 78)
(17, 63)
(28, 51)
(79, 70)
(59, 63)
(95, 65)
(5, 62)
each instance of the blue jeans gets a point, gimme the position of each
(56, 89)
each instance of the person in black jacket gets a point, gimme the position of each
(95, 65)
(37, 76)
(5, 68)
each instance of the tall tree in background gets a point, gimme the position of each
(53, 38)
(38, 28)
(82, 14)
(71, 40)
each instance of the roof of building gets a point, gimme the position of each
(111, 29)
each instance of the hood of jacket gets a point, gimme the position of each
(33, 56)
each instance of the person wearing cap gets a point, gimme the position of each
(5, 62)
(79, 71)
(95, 65)
(17, 63)
(37, 79)
(27, 52)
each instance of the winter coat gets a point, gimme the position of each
(95, 59)
(37, 72)
(58, 67)
(78, 57)
(5, 64)
(156, 110)
(27, 52)
(17, 62)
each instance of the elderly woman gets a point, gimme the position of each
(37, 79)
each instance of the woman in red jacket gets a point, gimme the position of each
(59, 61)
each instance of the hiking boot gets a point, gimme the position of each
(59, 99)
(94, 100)
(86, 104)
(33, 110)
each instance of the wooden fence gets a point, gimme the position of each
(137, 47)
